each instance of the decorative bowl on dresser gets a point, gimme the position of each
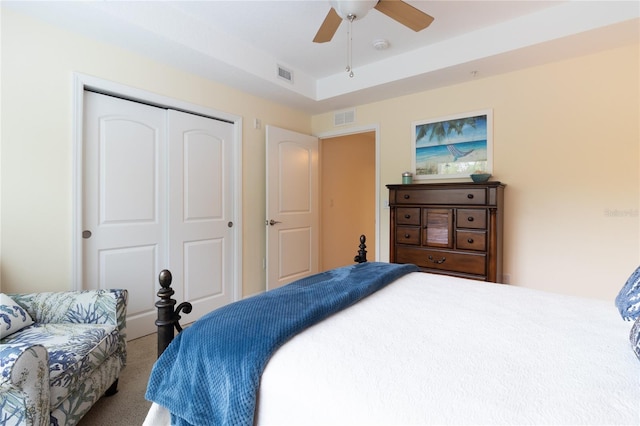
(448, 228)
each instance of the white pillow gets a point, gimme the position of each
(13, 317)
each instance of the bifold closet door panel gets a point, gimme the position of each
(124, 202)
(201, 209)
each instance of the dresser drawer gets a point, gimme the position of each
(471, 240)
(469, 263)
(473, 196)
(408, 235)
(471, 218)
(408, 216)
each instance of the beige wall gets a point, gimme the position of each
(566, 142)
(36, 143)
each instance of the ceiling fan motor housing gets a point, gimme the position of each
(357, 8)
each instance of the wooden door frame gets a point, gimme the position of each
(82, 82)
(352, 131)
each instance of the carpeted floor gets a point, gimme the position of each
(128, 407)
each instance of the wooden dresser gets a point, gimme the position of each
(448, 228)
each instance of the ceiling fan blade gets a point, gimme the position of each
(328, 28)
(404, 13)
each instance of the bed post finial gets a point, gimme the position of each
(168, 318)
(361, 257)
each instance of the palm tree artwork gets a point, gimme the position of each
(455, 146)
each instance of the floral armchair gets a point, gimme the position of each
(59, 353)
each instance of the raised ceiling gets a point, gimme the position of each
(242, 43)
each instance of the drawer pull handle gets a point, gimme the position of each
(470, 196)
(437, 261)
(470, 218)
(470, 240)
(407, 216)
(407, 196)
(407, 235)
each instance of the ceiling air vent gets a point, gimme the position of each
(341, 118)
(285, 74)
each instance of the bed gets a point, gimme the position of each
(425, 349)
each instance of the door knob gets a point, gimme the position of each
(273, 222)
(86, 234)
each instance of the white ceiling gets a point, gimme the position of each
(241, 43)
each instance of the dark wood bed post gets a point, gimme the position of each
(168, 318)
(361, 257)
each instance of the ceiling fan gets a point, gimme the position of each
(352, 10)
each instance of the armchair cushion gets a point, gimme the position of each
(75, 351)
(106, 307)
(12, 316)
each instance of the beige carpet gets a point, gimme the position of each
(128, 407)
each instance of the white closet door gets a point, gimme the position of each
(201, 211)
(158, 192)
(124, 202)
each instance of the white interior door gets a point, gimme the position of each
(124, 199)
(292, 206)
(201, 211)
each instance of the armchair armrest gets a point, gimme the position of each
(24, 385)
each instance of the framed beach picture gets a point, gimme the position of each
(453, 147)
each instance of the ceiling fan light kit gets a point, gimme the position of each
(357, 8)
(351, 10)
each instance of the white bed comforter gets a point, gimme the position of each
(432, 349)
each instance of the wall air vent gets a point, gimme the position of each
(285, 74)
(347, 116)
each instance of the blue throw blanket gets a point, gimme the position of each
(210, 373)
